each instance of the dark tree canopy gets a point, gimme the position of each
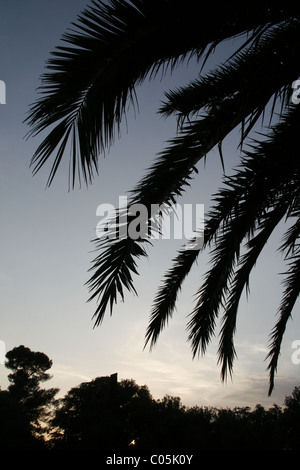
(107, 415)
(104, 414)
(29, 369)
(15, 430)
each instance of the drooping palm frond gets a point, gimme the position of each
(291, 293)
(114, 272)
(291, 248)
(240, 282)
(270, 194)
(165, 300)
(261, 194)
(92, 75)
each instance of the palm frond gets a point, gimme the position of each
(291, 293)
(226, 350)
(235, 78)
(113, 273)
(291, 245)
(270, 181)
(239, 223)
(166, 297)
(114, 46)
(165, 300)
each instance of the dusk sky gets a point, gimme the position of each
(46, 247)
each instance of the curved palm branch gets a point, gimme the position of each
(257, 198)
(240, 283)
(92, 76)
(268, 57)
(165, 300)
(290, 296)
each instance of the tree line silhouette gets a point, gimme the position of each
(106, 414)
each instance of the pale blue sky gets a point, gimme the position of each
(46, 250)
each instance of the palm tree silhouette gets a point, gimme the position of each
(90, 81)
